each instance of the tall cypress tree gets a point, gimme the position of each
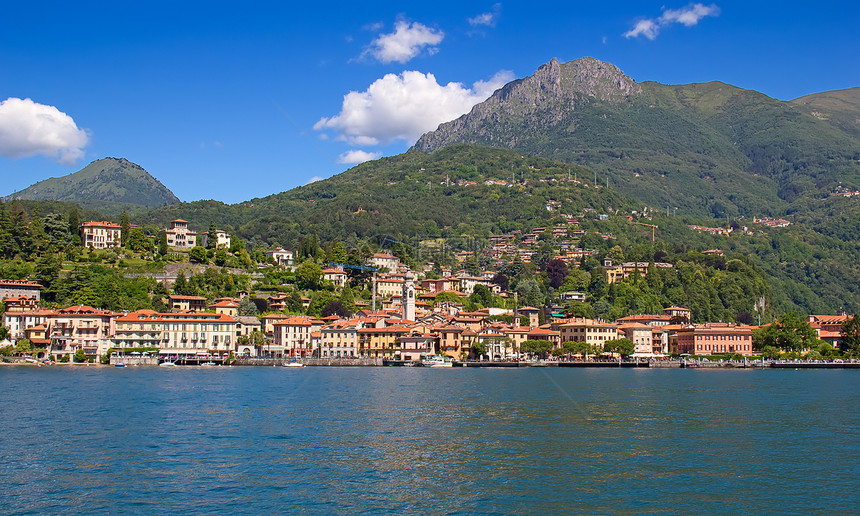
(212, 237)
(125, 227)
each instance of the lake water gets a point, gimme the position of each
(405, 441)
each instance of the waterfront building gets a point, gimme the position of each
(593, 332)
(101, 235)
(415, 344)
(340, 339)
(38, 336)
(183, 333)
(16, 321)
(548, 334)
(292, 336)
(714, 338)
(81, 327)
(380, 342)
(641, 335)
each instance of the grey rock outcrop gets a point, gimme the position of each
(537, 102)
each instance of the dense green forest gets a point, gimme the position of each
(425, 207)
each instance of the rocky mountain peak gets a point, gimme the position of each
(545, 98)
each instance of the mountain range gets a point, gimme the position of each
(711, 148)
(582, 138)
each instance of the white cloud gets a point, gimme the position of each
(647, 28)
(406, 42)
(488, 19)
(28, 128)
(314, 180)
(354, 157)
(405, 106)
(688, 16)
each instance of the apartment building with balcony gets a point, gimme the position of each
(176, 333)
(81, 327)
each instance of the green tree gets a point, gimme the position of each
(577, 280)
(347, 298)
(851, 336)
(308, 275)
(616, 254)
(479, 349)
(23, 347)
(75, 225)
(162, 243)
(136, 240)
(482, 296)
(247, 307)
(536, 347)
(125, 227)
(212, 236)
(556, 272)
(198, 255)
(623, 347)
(80, 355)
(447, 297)
(790, 333)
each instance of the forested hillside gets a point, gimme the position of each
(709, 149)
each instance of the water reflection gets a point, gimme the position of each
(422, 440)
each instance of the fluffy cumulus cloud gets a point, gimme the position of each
(407, 41)
(487, 19)
(28, 128)
(688, 16)
(405, 106)
(354, 157)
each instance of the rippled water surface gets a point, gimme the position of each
(390, 440)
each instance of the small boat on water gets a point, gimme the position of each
(208, 364)
(167, 363)
(437, 361)
(294, 364)
(119, 364)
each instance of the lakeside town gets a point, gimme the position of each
(411, 315)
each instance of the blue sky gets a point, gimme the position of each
(236, 100)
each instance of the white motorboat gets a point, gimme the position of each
(167, 363)
(294, 364)
(437, 361)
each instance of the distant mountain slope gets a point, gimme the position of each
(840, 107)
(108, 180)
(465, 193)
(711, 149)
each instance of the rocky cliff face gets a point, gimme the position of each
(538, 102)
